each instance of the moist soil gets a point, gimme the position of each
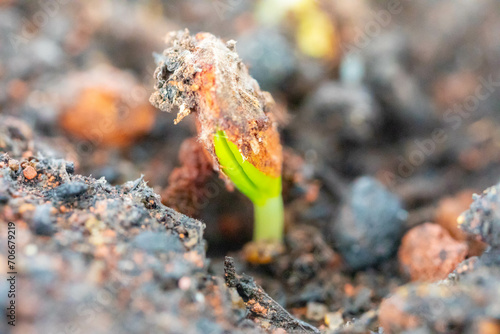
(391, 149)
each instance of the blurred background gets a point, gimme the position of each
(405, 91)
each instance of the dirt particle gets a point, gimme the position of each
(14, 165)
(392, 316)
(185, 283)
(316, 311)
(257, 308)
(334, 320)
(30, 173)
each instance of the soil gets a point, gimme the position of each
(391, 141)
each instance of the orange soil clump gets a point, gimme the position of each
(429, 253)
(101, 116)
(30, 173)
(187, 192)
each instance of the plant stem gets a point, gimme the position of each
(269, 220)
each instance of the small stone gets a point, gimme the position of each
(370, 224)
(185, 283)
(316, 311)
(70, 168)
(14, 165)
(429, 253)
(30, 173)
(334, 320)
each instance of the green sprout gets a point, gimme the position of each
(236, 122)
(263, 190)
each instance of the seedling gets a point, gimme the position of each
(235, 123)
(263, 190)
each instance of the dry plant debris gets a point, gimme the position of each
(263, 309)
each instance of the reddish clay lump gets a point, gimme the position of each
(429, 253)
